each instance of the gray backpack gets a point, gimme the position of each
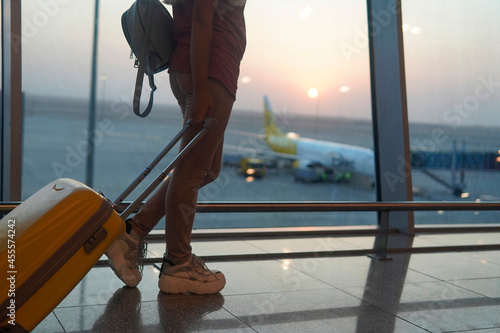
(148, 28)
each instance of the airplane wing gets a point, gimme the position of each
(249, 134)
(253, 152)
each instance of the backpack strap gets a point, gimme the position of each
(141, 69)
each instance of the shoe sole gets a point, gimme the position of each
(172, 285)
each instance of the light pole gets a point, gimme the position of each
(92, 109)
(314, 94)
(104, 78)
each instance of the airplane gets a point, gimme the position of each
(313, 157)
(317, 155)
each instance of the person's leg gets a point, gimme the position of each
(199, 167)
(150, 213)
(182, 271)
(153, 209)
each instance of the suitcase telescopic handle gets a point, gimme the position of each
(150, 167)
(208, 124)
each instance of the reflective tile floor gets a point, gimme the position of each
(425, 292)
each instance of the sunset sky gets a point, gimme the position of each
(451, 55)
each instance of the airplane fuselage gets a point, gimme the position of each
(334, 155)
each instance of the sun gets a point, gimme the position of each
(313, 93)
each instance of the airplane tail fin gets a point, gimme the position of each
(269, 122)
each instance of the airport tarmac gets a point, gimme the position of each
(55, 142)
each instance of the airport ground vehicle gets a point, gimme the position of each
(254, 167)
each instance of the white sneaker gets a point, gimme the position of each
(192, 276)
(125, 256)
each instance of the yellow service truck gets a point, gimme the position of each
(253, 167)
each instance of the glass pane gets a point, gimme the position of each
(453, 82)
(1, 66)
(309, 58)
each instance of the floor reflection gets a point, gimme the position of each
(184, 313)
(385, 279)
(176, 313)
(122, 313)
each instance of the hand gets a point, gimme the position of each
(201, 107)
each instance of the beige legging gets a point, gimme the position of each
(177, 197)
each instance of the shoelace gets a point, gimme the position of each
(141, 255)
(199, 264)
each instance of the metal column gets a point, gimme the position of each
(389, 109)
(89, 174)
(11, 110)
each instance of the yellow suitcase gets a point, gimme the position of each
(48, 244)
